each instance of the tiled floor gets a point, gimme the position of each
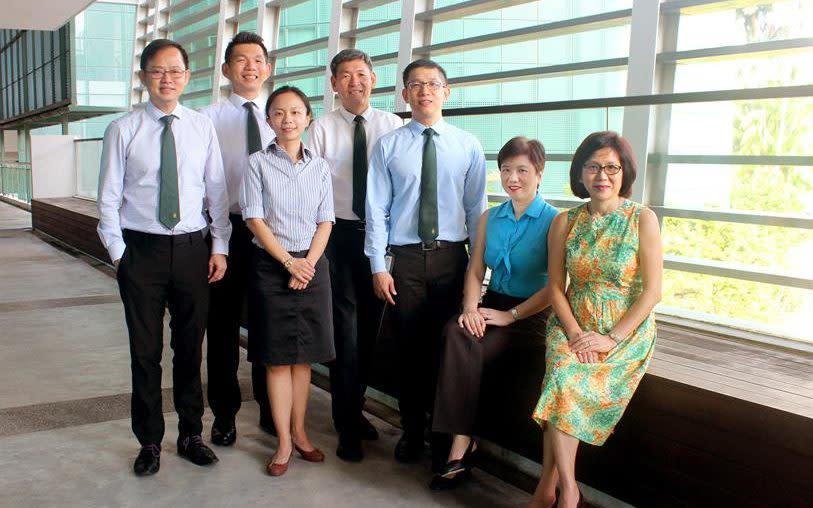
(64, 412)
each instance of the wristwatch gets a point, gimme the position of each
(288, 262)
(614, 336)
(514, 313)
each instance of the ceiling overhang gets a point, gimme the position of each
(40, 14)
(58, 114)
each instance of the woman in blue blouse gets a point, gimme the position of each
(512, 241)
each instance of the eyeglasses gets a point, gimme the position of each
(433, 86)
(609, 169)
(159, 73)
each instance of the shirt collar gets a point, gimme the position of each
(350, 117)
(534, 209)
(238, 101)
(274, 148)
(157, 114)
(417, 128)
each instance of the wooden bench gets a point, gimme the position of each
(715, 422)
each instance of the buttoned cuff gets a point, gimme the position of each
(116, 250)
(377, 264)
(219, 246)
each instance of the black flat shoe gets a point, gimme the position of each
(408, 449)
(368, 432)
(195, 451)
(224, 433)
(148, 461)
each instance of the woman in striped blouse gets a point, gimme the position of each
(287, 203)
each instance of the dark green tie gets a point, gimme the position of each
(359, 167)
(168, 207)
(255, 143)
(428, 214)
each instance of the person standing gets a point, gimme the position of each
(425, 194)
(241, 130)
(287, 202)
(345, 138)
(160, 170)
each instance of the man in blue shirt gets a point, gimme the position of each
(425, 194)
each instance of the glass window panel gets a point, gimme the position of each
(304, 22)
(758, 22)
(595, 45)
(774, 69)
(249, 26)
(756, 127)
(380, 44)
(247, 5)
(386, 75)
(779, 189)
(314, 86)
(197, 102)
(301, 61)
(742, 304)
(782, 249)
(379, 14)
(209, 22)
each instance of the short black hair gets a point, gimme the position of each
(157, 45)
(348, 55)
(283, 89)
(520, 145)
(591, 144)
(245, 38)
(424, 63)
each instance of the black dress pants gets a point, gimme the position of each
(430, 288)
(356, 316)
(157, 271)
(466, 361)
(223, 331)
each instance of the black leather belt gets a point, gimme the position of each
(436, 245)
(358, 225)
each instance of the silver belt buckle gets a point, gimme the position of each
(434, 245)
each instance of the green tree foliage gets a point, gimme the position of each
(765, 127)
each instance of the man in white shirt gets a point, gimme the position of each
(241, 130)
(160, 167)
(345, 138)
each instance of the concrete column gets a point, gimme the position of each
(413, 34)
(341, 20)
(644, 29)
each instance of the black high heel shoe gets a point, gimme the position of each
(455, 472)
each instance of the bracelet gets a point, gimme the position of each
(288, 262)
(514, 313)
(614, 336)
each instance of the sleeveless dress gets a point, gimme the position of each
(586, 400)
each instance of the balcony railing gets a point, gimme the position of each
(15, 180)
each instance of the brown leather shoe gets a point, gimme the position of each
(275, 469)
(314, 455)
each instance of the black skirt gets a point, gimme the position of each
(287, 326)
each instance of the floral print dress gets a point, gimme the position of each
(586, 400)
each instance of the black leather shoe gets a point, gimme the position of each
(195, 450)
(224, 433)
(349, 449)
(148, 461)
(409, 448)
(267, 424)
(368, 432)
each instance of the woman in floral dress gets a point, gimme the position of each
(602, 333)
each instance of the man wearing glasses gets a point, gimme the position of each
(425, 194)
(160, 168)
(345, 138)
